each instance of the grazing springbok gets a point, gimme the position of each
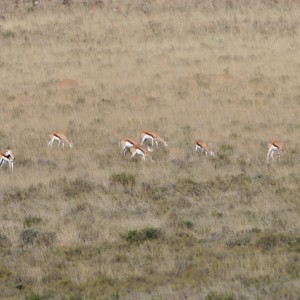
(202, 147)
(274, 146)
(7, 157)
(142, 151)
(60, 138)
(126, 144)
(153, 137)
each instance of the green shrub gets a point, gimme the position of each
(75, 297)
(32, 221)
(294, 244)
(243, 238)
(73, 253)
(188, 224)
(156, 192)
(75, 187)
(123, 179)
(33, 236)
(217, 214)
(34, 296)
(29, 236)
(8, 34)
(189, 187)
(19, 285)
(18, 194)
(80, 100)
(218, 296)
(4, 242)
(140, 236)
(271, 240)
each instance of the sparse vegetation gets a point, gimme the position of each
(89, 223)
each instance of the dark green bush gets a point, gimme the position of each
(34, 296)
(189, 187)
(271, 240)
(18, 194)
(123, 179)
(140, 236)
(32, 221)
(75, 187)
(37, 237)
(188, 224)
(294, 244)
(244, 238)
(8, 34)
(29, 236)
(218, 296)
(240, 240)
(80, 100)
(4, 241)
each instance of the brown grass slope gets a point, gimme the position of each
(87, 223)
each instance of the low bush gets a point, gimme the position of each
(189, 187)
(4, 242)
(218, 296)
(188, 224)
(122, 179)
(29, 236)
(34, 296)
(140, 236)
(270, 240)
(32, 221)
(294, 244)
(73, 188)
(34, 236)
(18, 194)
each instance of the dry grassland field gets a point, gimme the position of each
(88, 223)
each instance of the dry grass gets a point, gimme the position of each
(87, 223)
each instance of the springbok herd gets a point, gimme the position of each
(137, 149)
(131, 145)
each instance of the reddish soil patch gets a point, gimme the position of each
(224, 78)
(22, 100)
(67, 83)
(137, 99)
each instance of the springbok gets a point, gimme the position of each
(127, 143)
(274, 146)
(7, 157)
(153, 137)
(60, 138)
(202, 147)
(142, 151)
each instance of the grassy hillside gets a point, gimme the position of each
(87, 223)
